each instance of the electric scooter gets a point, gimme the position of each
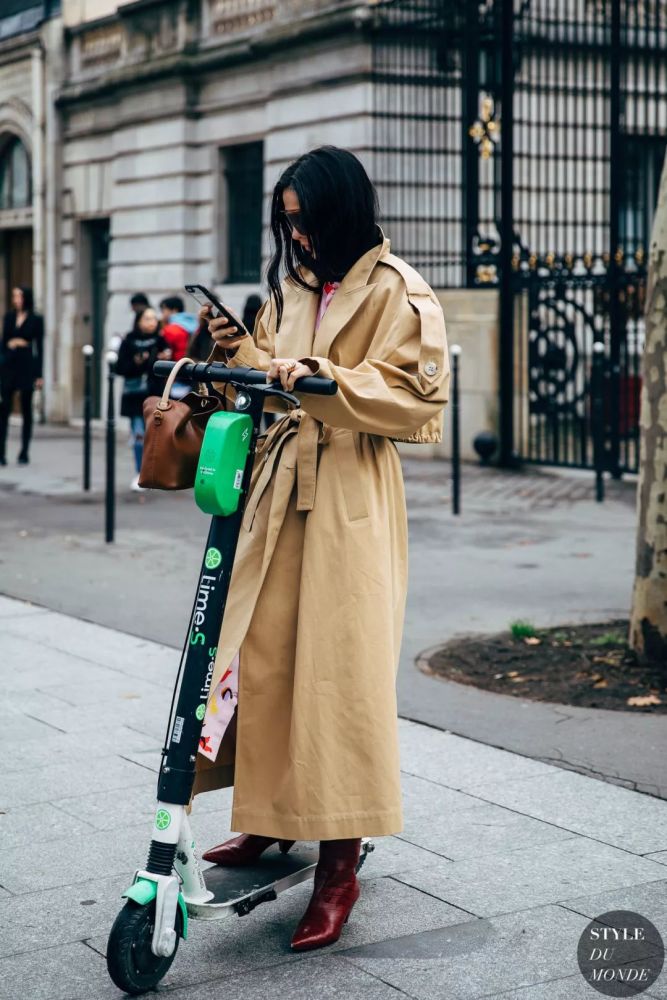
(173, 888)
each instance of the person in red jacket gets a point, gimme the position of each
(178, 329)
(178, 326)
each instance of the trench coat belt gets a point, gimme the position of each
(310, 433)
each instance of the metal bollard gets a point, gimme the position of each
(597, 416)
(110, 493)
(455, 352)
(88, 351)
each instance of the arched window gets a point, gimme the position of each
(15, 186)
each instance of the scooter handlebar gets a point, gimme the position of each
(217, 372)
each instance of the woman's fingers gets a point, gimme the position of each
(221, 331)
(277, 369)
(299, 372)
(287, 371)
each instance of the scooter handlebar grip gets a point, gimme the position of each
(217, 372)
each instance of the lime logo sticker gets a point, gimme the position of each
(162, 819)
(213, 558)
(201, 711)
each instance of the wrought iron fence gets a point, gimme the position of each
(518, 144)
(418, 117)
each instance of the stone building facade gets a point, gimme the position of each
(177, 118)
(31, 70)
(155, 131)
(140, 141)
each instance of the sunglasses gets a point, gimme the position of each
(294, 221)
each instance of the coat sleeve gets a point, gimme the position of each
(402, 382)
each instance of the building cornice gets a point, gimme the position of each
(196, 58)
(19, 47)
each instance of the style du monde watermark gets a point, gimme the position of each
(621, 953)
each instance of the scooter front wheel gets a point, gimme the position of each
(132, 965)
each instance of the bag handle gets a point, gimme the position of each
(164, 403)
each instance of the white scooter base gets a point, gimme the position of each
(218, 892)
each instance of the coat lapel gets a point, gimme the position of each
(295, 337)
(340, 311)
(348, 299)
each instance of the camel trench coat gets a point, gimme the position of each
(318, 590)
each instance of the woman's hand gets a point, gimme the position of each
(220, 329)
(17, 342)
(164, 355)
(288, 370)
(39, 383)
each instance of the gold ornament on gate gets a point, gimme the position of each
(485, 131)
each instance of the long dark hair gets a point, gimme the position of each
(339, 208)
(28, 301)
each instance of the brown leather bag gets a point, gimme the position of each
(173, 435)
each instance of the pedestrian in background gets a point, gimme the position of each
(138, 303)
(138, 352)
(178, 328)
(21, 359)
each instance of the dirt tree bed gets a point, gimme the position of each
(586, 665)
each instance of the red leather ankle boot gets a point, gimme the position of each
(243, 850)
(335, 892)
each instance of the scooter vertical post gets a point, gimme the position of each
(177, 772)
(110, 491)
(88, 352)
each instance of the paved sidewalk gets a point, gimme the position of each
(502, 861)
(532, 544)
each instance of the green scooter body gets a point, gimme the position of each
(222, 460)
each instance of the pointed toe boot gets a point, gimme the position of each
(243, 850)
(335, 891)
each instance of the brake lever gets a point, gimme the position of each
(244, 394)
(270, 390)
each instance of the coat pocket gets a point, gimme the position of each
(351, 474)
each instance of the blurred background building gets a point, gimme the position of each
(140, 142)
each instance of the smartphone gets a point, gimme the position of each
(206, 298)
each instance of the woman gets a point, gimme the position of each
(318, 590)
(20, 366)
(139, 350)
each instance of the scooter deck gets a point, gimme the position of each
(240, 890)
